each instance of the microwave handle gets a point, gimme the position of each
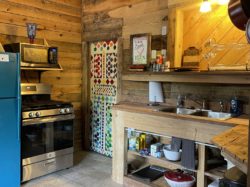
(50, 119)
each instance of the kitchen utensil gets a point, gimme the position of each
(149, 173)
(179, 179)
(248, 31)
(239, 12)
(171, 154)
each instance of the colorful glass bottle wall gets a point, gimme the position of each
(103, 88)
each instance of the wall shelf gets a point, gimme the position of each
(214, 77)
(59, 68)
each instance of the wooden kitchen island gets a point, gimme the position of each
(145, 118)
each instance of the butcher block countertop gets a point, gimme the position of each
(234, 145)
(230, 135)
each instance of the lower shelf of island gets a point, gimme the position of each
(214, 174)
(132, 182)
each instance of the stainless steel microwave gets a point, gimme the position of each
(34, 55)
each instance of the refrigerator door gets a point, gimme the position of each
(10, 142)
(9, 75)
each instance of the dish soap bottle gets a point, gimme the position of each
(235, 106)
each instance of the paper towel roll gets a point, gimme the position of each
(155, 92)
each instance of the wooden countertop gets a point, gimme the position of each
(152, 110)
(234, 145)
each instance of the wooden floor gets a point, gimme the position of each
(91, 170)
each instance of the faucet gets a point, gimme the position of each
(203, 104)
(221, 106)
(180, 101)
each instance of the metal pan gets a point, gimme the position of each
(239, 12)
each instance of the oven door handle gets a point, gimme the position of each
(50, 119)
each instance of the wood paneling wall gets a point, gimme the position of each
(216, 26)
(59, 22)
(104, 20)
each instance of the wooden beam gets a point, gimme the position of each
(85, 95)
(107, 5)
(201, 179)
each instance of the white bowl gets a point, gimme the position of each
(171, 155)
(172, 183)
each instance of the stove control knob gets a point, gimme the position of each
(62, 111)
(67, 110)
(38, 114)
(32, 115)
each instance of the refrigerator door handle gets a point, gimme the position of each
(18, 97)
(19, 119)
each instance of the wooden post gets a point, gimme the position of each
(248, 161)
(119, 148)
(201, 179)
(85, 95)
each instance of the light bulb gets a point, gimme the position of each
(205, 7)
(223, 2)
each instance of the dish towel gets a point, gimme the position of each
(176, 144)
(188, 154)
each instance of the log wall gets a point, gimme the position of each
(59, 22)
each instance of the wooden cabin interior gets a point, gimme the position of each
(199, 61)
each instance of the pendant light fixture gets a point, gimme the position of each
(205, 6)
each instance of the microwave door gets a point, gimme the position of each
(35, 55)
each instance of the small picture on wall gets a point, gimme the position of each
(140, 48)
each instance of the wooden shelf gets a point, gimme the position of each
(59, 68)
(216, 173)
(132, 182)
(215, 77)
(161, 161)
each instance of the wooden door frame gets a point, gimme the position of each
(86, 85)
(248, 162)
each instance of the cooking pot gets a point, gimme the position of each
(239, 12)
(177, 178)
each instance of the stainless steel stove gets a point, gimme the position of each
(47, 132)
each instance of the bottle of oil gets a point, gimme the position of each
(143, 140)
(138, 142)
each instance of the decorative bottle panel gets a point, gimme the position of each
(103, 88)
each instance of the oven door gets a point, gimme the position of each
(43, 137)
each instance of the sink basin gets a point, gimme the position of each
(197, 112)
(183, 111)
(211, 114)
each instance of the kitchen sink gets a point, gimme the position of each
(197, 112)
(211, 114)
(183, 111)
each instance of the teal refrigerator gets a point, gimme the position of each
(10, 101)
